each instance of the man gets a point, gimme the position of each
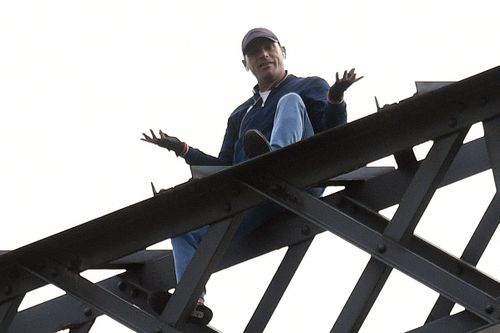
(284, 109)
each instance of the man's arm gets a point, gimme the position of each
(325, 105)
(194, 156)
(191, 155)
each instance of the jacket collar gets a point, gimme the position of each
(275, 85)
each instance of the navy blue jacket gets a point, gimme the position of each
(312, 90)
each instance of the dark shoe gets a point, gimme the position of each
(201, 315)
(158, 300)
(255, 143)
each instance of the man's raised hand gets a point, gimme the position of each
(166, 141)
(336, 92)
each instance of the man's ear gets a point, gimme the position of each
(244, 62)
(283, 51)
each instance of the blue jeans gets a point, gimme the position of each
(291, 124)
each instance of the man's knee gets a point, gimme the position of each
(292, 100)
(191, 238)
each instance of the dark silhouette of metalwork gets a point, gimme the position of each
(338, 157)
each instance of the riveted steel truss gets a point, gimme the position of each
(338, 157)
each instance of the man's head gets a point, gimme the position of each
(263, 56)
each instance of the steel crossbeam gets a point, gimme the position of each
(211, 250)
(277, 287)
(98, 297)
(443, 116)
(329, 154)
(413, 203)
(488, 224)
(8, 310)
(379, 246)
(463, 322)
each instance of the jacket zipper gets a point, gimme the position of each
(248, 110)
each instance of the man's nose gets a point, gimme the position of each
(263, 52)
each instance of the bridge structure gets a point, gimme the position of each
(335, 157)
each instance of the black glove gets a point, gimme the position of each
(336, 92)
(167, 141)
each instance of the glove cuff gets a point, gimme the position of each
(182, 151)
(334, 98)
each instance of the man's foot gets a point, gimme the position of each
(255, 143)
(201, 314)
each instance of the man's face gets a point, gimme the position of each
(264, 58)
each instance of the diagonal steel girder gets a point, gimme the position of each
(488, 224)
(383, 248)
(331, 153)
(413, 203)
(293, 230)
(288, 229)
(98, 297)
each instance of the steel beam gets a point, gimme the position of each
(462, 322)
(83, 328)
(8, 310)
(277, 287)
(472, 253)
(396, 128)
(488, 224)
(329, 154)
(99, 298)
(492, 328)
(199, 270)
(381, 247)
(413, 203)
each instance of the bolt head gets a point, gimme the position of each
(87, 312)
(381, 248)
(122, 286)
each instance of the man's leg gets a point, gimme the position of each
(291, 122)
(184, 246)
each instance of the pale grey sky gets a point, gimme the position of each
(81, 80)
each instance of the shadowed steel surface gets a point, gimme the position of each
(277, 287)
(409, 212)
(442, 115)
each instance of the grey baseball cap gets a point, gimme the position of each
(257, 33)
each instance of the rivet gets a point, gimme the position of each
(489, 309)
(122, 286)
(381, 248)
(459, 270)
(87, 312)
(158, 330)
